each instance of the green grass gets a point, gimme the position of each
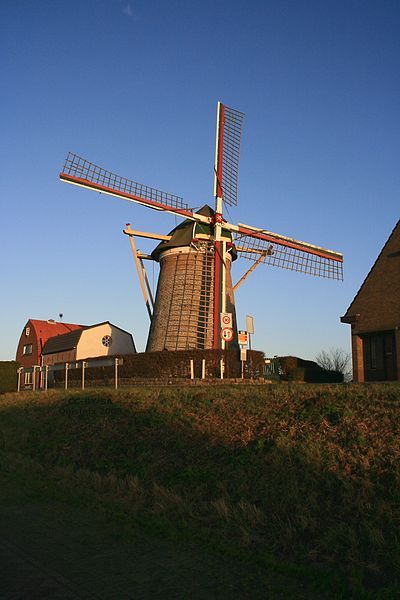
(302, 479)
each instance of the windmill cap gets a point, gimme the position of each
(183, 234)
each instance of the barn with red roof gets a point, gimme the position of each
(49, 343)
(34, 337)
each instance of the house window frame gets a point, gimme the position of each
(28, 378)
(27, 350)
(27, 331)
(372, 352)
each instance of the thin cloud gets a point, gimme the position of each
(127, 10)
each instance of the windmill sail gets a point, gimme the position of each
(288, 253)
(230, 124)
(80, 171)
(195, 284)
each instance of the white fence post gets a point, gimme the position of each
(34, 379)
(116, 373)
(83, 374)
(66, 375)
(19, 371)
(221, 367)
(46, 377)
(203, 368)
(191, 368)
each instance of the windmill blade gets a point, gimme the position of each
(288, 253)
(81, 172)
(229, 133)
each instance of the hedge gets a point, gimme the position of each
(168, 365)
(298, 369)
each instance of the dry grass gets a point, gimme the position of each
(308, 473)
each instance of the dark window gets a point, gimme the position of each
(106, 341)
(27, 349)
(372, 342)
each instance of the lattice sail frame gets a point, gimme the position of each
(79, 170)
(277, 251)
(232, 134)
(315, 262)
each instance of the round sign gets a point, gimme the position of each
(226, 320)
(227, 334)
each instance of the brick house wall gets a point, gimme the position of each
(374, 316)
(28, 338)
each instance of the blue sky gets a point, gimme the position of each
(133, 86)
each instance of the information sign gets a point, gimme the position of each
(227, 334)
(242, 338)
(249, 324)
(226, 319)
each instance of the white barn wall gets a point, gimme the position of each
(90, 344)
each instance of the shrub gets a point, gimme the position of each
(296, 374)
(298, 369)
(327, 376)
(8, 376)
(167, 365)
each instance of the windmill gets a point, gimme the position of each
(194, 305)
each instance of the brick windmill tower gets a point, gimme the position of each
(194, 304)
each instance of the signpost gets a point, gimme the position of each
(243, 358)
(226, 327)
(242, 338)
(249, 327)
(249, 324)
(226, 320)
(227, 334)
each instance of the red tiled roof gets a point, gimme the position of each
(47, 329)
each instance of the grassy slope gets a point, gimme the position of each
(54, 545)
(280, 476)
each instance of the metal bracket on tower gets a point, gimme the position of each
(143, 280)
(253, 266)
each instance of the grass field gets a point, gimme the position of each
(301, 481)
